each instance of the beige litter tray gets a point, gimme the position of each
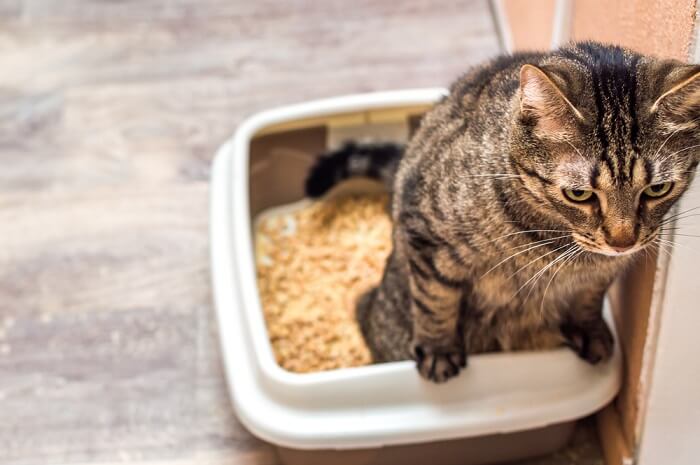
(503, 407)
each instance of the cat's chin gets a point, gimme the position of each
(611, 253)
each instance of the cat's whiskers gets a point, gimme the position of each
(677, 220)
(661, 240)
(544, 269)
(677, 152)
(663, 144)
(560, 259)
(646, 256)
(532, 247)
(673, 234)
(661, 248)
(541, 240)
(690, 228)
(676, 216)
(538, 258)
(493, 175)
(674, 245)
(671, 173)
(570, 258)
(577, 150)
(526, 232)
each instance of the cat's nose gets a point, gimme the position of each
(621, 237)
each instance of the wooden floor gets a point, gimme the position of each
(110, 112)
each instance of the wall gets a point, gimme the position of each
(530, 23)
(657, 27)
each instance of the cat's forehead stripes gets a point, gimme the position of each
(595, 174)
(612, 74)
(605, 177)
(641, 172)
(649, 170)
(636, 168)
(644, 169)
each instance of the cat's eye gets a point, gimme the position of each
(658, 190)
(578, 195)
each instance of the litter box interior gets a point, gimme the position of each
(307, 295)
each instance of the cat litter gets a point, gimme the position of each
(314, 259)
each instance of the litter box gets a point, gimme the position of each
(504, 406)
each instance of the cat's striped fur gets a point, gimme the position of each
(491, 252)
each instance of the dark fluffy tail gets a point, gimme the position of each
(375, 161)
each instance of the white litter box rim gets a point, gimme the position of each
(377, 405)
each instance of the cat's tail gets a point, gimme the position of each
(375, 161)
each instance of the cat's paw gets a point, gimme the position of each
(438, 364)
(592, 342)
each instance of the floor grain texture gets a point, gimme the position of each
(110, 113)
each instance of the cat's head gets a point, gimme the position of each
(606, 140)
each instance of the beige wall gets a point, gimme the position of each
(658, 27)
(530, 23)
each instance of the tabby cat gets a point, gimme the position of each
(523, 194)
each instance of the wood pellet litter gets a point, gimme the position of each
(314, 259)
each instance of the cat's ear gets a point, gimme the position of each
(678, 103)
(543, 102)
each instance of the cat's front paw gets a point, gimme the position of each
(592, 342)
(438, 364)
